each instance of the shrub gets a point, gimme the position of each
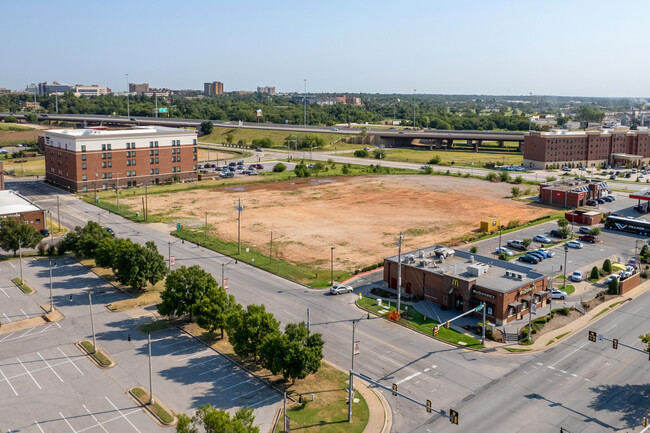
(10, 119)
(262, 142)
(41, 249)
(527, 242)
(516, 192)
(361, 153)
(491, 176)
(519, 179)
(607, 266)
(562, 222)
(279, 168)
(512, 224)
(436, 160)
(594, 273)
(551, 178)
(503, 256)
(473, 250)
(51, 249)
(345, 170)
(301, 170)
(428, 170)
(504, 176)
(613, 286)
(594, 231)
(206, 127)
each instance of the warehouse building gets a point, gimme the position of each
(464, 280)
(14, 205)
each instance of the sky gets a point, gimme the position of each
(495, 47)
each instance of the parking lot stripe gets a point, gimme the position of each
(7, 336)
(7, 380)
(6, 317)
(12, 265)
(210, 371)
(193, 346)
(205, 362)
(248, 393)
(48, 364)
(260, 402)
(39, 427)
(66, 421)
(30, 374)
(3, 291)
(120, 412)
(71, 361)
(109, 420)
(175, 343)
(28, 331)
(237, 384)
(23, 311)
(93, 416)
(195, 355)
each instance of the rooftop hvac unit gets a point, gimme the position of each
(508, 273)
(411, 258)
(421, 254)
(471, 259)
(520, 276)
(424, 262)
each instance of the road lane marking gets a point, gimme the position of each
(408, 377)
(565, 357)
(48, 364)
(12, 265)
(611, 327)
(551, 367)
(7, 336)
(66, 421)
(30, 374)
(7, 380)
(93, 417)
(23, 311)
(120, 412)
(71, 361)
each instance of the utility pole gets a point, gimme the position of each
(56, 102)
(399, 272)
(51, 298)
(58, 214)
(20, 260)
(304, 102)
(530, 316)
(308, 319)
(484, 324)
(92, 321)
(332, 265)
(271, 249)
(146, 203)
(239, 208)
(414, 108)
(205, 227)
(157, 107)
(128, 108)
(169, 254)
(151, 400)
(566, 250)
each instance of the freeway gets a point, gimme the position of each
(482, 387)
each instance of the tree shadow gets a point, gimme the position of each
(629, 400)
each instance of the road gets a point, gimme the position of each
(424, 368)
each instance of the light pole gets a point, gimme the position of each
(332, 265)
(500, 229)
(151, 400)
(239, 209)
(20, 259)
(636, 247)
(51, 298)
(117, 190)
(304, 99)
(223, 270)
(566, 251)
(128, 108)
(351, 384)
(399, 272)
(92, 321)
(413, 108)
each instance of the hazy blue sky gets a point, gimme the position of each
(565, 47)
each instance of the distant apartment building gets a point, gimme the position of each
(212, 89)
(31, 105)
(55, 87)
(4, 91)
(138, 89)
(87, 159)
(93, 90)
(615, 146)
(266, 89)
(352, 100)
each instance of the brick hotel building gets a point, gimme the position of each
(88, 159)
(616, 146)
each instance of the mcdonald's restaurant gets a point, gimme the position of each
(462, 281)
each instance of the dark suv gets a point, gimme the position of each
(556, 234)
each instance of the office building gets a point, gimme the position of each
(614, 146)
(89, 159)
(93, 90)
(55, 87)
(266, 89)
(212, 89)
(138, 89)
(14, 205)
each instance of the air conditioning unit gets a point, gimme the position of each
(508, 273)
(520, 276)
(421, 254)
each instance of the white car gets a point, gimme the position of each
(541, 238)
(558, 294)
(576, 276)
(613, 277)
(574, 244)
(500, 250)
(340, 288)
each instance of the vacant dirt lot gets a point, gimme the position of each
(360, 216)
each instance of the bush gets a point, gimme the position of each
(562, 222)
(41, 249)
(428, 170)
(564, 232)
(301, 170)
(51, 249)
(512, 224)
(10, 119)
(491, 176)
(262, 142)
(527, 242)
(519, 179)
(613, 287)
(551, 178)
(436, 160)
(594, 231)
(503, 256)
(279, 168)
(594, 273)
(607, 266)
(516, 192)
(504, 176)
(206, 127)
(361, 153)
(473, 250)
(345, 170)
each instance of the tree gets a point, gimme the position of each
(136, 265)
(15, 234)
(505, 176)
(361, 153)
(503, 256)
(294, 354)
(318, 167)
(206, 127)
(435, 160)
(301, 170)
(279, 168)
(185, 289)
(613, 286)
(516, 192)
(213, 309)
(594, 231)
(379, 153)
(644, 255)
(248, 328)
(473, 250)
(594, 273)
(229, 138)
(562, 222)
(212, 420)
(311, 141)
(527, 242)
(645, 339)
(607, 266)
(561, 121)
(31, 118)
(564, 232)
(262, 142)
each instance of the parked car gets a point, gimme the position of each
(538, 256)
(252, 167)
(556, 234)
(232, 164)
(245, 172)
(425, 166)
(259, 166)
(517, 244)
(576, 276)
(613, 277)
(45, 232)
(608, 199)
(574, 244)
(584, 230)
(226, 174)
(591, 203)
(109, 230)
(601, 201)
(558, 294)
(612, 197)
(259, 149)
(3, 151)
(541, 238)
(529, 259)
(500, 250)
(340, 288)
(232, 168)
(613, 177)
(566, 169)
(589, 238)
(545, 253)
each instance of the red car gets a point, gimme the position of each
(259, 166)
(589, 238)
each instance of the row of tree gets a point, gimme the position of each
(15, 234)
(252, 331)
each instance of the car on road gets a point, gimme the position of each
(109, 230)
(335, 129)
(258, 166)
(45, 232)
(517, 244)
(505, 250)
(576, 276)
(558, 294)
(541, 238)
(529, 259)
(133, 119)
(584, 230)
(3, 151)
(259, 149)
(226, 174)
(425, 166)
(340, 288)
(311, 166)
(589, 238)
(232, 164)
(574, 244)
(252, 167)
(556, 234)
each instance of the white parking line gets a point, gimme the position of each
(195, 355)
(237, 384)
(260, 402)
(174, 343)
(30, 374)
(7, 380)
(48, 364)
(248, 393)
(12, 265)
(221, 378)
(216, 358)
(93, 416)
(39, 427)
(110, 420)
(6, 317)
(3, 291)
(181, 350)
(71, 361)
(23, 311)
(120, 412)
(28, 331)
(7, 336)
(210, 371)
(66, 421)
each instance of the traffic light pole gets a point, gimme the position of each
(593, 336)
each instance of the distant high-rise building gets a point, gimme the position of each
(266, 89)
(214, 88)
(138, 89)
(44, 88)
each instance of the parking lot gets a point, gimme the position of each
(14, 304)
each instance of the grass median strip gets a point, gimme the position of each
(156, 408)
(22, 285)
(515, 349)
(600, 312)
(98, 355)
(421, 323)
(561, 335)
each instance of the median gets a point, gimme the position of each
(159, 411)
(98, 356)
(23, 286)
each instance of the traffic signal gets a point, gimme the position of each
(435, 331)
(592, 335)
(645, 421)
(394, 389)
(428, 406)
(615, 343)
(453, 416)
(447, 324)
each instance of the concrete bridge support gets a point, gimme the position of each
(501, 143)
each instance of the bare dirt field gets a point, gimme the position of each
(360, 216)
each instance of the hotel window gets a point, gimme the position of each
(128, 162)
(194, 167)
(155, 144)
(104, 186)
(157, 171)
(194, 157)
(103, 175)
(133, 173)
(110, 175)
(173, 169)
(83, 166)
(151, 171)
(128, 153)
(110, 163)
(133, 162)
(83, 147)
(132, 145)
(103, 164)
(151, 153)
(110, 155)
(103, 156)
(103, 147)
(128, 173)
(156, 160)
(156, 152)
(178, 169)
(84, 177)
(84, 188)
(151, 144)
(173, 159)
(150, 160)
(194, 141)
(178, 158)
(194, 149)
(108, 146)
(128, 146)
(83, 157)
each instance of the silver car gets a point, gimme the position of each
(340, 288)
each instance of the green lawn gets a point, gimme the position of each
(98, 355)
(458, 157)
(516, 349)
(13, 127)
(143, 396)
(418, 322)
(22, 285)
(568, 288)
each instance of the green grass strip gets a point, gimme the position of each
(600, 312)
(160, 412)
(22, 286)
(515, 349)
(419, 322)
(614, 304)
(561, 335)
(550, 342)
(98, 355)
(157, 325)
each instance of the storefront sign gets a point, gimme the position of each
(480, 293)
(454, 282)
(526, 290)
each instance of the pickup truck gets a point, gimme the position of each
(517, 244)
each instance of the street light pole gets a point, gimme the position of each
(500, 229)
(484, 324)
(223, 270)
(399, 272)
(151, 400)
(566, 250)
(128, 108)
(20, 259)
(332, 265)
(51, 298)
(92, 321)
(304, 98)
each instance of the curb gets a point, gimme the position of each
(92, 357)
(21, 290)
(151, 412)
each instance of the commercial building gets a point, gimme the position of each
(463, 281)
(93, 90)
(212, 89)
(266, 89)
(55, 87)
(138, 89)
(14, 205)
(88, 159)
(571, 193)
(615, 146)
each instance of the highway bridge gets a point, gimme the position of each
(432, 138)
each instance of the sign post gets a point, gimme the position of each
(172, 261)
(356, 347)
